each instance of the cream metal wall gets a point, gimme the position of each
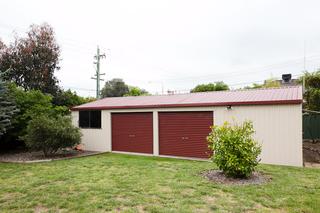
(278, 129)
(96, 139)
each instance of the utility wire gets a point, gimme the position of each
(247, 71)
(78, 88)
(179, 91)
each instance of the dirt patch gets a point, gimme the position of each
(140, 209)
(9, 196)
(40, 209)
(219, 177)
(26, 157)
(210, 199)
(311, 152)
(165, 189)
(187, 192)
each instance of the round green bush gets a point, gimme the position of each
(51, 134)
(235, 150)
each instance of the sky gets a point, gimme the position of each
(173, 45)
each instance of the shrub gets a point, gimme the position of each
(235, 150)
(30, 104)
(51, 134)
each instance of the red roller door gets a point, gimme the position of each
(184, 133)
(132, 132)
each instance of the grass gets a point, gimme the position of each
(125, 183)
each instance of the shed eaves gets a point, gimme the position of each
(283, 95)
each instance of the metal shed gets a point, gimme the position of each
(177, 125)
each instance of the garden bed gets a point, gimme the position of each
(23, 156)
(217, 176)
(311, 152)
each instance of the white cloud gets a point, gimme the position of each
(179, 43)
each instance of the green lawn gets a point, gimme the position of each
(124, 183)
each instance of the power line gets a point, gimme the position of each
(249, 71)
(180, 91)
(79, 88)
(230, 85)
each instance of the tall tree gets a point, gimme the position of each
(114, 88)
(33, 59)
(217, 86)
(7, 107)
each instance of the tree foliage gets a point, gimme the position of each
(7, 107)
(254, 86)
(235, 151)
(51, 134)
(69, 99)
(268, 83)
(136, 91)
(118, 88)
(271, 83)
(3, 49)
(217, 86)
(312, 90)
(114, 88)
(32, 60)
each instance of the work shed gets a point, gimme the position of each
(177, 125)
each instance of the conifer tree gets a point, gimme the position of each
(7, 106)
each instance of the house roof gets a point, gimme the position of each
(283, 95)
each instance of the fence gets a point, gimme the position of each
(311, 126)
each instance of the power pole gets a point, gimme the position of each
(304, 56)
(98, 74)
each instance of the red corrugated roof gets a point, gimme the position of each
(283, 95)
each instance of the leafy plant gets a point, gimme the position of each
(235, 151)
(312, 90)
(51, 134)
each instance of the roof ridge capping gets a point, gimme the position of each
(194, 93)
(231, 90)
(261, 96)
(247, 89)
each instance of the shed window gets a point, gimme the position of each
(90, 119)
